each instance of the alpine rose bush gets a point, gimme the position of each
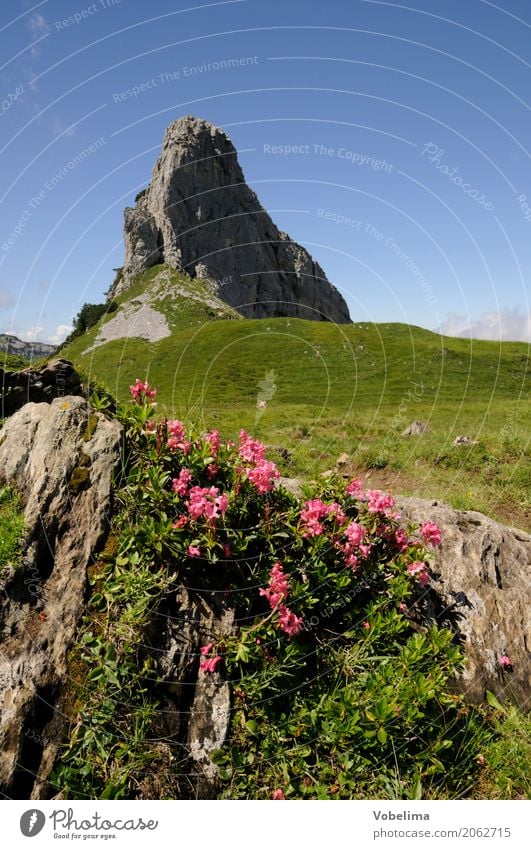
(334, 685)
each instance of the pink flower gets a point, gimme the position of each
(336, 511)
(213, 441)
(505, 661)
(263, 475)
(355, 533)
(431, 533)
(401, 539)
(206, 501)
(226, 549)
(352, 561)
(289, 623)
(140, 391)
(311, 515)
(278, 794)
(150, 426)
(402, 607)
(250, 449)
(378, 501)
(354, 488)
(278, 588)
(418, 569)
(194, 551)
(181, 522)
(366, 625)
(180, 484)
(176, 429)
(210, 664)
(205, 650)
(212, 470)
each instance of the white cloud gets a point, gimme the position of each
(506, 324)
(31, 334)
(61, 332)
(38, 25)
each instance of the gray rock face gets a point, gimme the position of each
(60, 457)
(482, 577)
(196, 620)
(199, 215)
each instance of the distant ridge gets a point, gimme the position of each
(29, 350)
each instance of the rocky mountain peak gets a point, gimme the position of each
(199, 215)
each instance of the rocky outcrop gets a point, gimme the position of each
(482, 575)
(53, 380)
(196, 708)
(61, 458)
(200, 216)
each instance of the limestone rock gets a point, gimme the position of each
(61, 458)
(416, 428)
(196, 620)
(465, 440)
(343, 460)
(200, 216)
(482, 576)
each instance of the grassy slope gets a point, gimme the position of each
(343, 388)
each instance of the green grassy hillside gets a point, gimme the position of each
(320, 390)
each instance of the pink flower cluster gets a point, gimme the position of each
(276, 593)
(250, 449)
(278, 588)
(206, 501)
(354, 546)
(140, 391)
(263, 475)
(177, 438)
(264, 472)
(313, 513)
(208, 664)
(278, 794)
(378, 501)
(180, 484)
(354, 488)
(431, 533)
(419, 570)
(505, 661)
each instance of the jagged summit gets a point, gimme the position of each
(199, 215)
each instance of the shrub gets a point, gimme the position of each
(340, 688)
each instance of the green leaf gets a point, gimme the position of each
(382, 735)
(493, 702)
(218, 757)
(252, 726)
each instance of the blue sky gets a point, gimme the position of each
(390, 139)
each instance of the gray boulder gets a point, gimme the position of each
(482, 576)
(200, 216)
(416, 428)
(61, 458)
